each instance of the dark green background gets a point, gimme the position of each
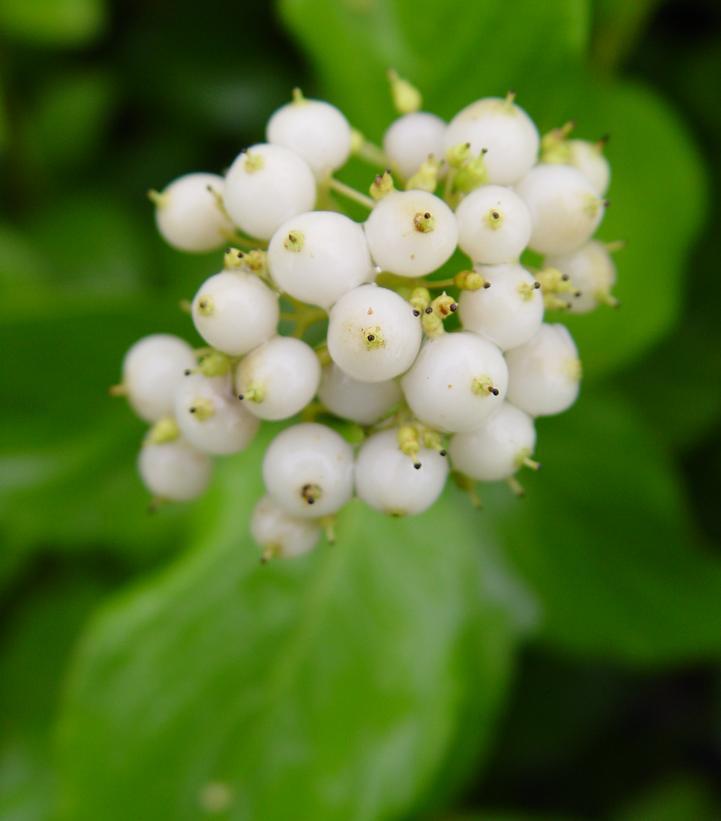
(556, 657)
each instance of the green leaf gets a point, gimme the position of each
(333, 686)
(676, 798)
(52, 22)
(602, 538)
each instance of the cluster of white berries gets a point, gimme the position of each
(421, 372)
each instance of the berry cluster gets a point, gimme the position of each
(418, 373)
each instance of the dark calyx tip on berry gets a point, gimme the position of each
(371, 337)
(565, 277)
(536, 285)
(578, 294)
(187, 372)
(443, 452)
(417, 465)
(607, 203)
(429, 310)
(453, 307)
(416, 312)
(241, 396)
(486, 285)
(427, 215)
(484, 151)
(192, 410)
(494, 391)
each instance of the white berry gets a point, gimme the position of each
(457, 381)
(504, 130)
(361, 402)
(588, 158)
(411, 233)
(544, 374)
(278, 379)
(281, 535)
(373, 334)
(591, 270)
(308, 470)
(319, 256)
(317, 131)
(153, 369)
(174, 471)
(387, 479)
(494, 225)
(235, 312)
(565, 208)
(497, 449)
(509, 312)
(267, 185)
(410, 140)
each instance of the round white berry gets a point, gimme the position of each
(411, 233)
(361, 402)
(544, 374)
(281, 535)
(504, 130)
(588, 158)
(387, 479)
(278, 379)
(211, 418)
(152, 371)
(308, 470)
(509, 312)
(235, 311)
(590, 270)
(565, 208)
(373, 334)
(174, 471)
(317, 131)
(497, 449)
(494, 225)
(411, 139)
(267, 185)
(188, 215)
(318, 256)
(457, 381)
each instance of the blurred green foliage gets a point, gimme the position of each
(554, 658)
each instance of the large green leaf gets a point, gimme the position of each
(329, 687)
(52, 22)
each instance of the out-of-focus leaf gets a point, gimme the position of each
(332, 687)
(678, 798)
(617, 26)
(33, 652)
(52, 22)
(602, 538)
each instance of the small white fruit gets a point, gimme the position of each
(281, 535)
(174, 471)
(361, 402)
(494, 225)
(592, 271)
(410, 140)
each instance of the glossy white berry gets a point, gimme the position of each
(506, 132)
(319, 256)
(497, 449)
(211, 418)
(591, 270)
(457, 381)
(494, 225)
(373, 334)
(387, 479)
(280, 535)
(315, 130)
(189, 216)
(308, 470)
(267, 185)
(361, 402)
(235, 312)
(174, 471)
(278, 379)
(509, 312)
(588, 158)
(152, 372)
(411, 233)
(411, 139)
(544, 374)
(565, 208)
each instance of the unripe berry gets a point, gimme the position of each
(174, 471)
(497, 449)
(591, 271)
(235, 312)
(410, 140)
(411, 233)
(280, 535)
(152, 372)
(319, 256)
(267, 185)
(278, 379)
(504, 129)
(509, 312)
(494, 225)
(189, 215)
(361, 402)
(308, 471)
(373, 334)
(544, 374)
(457, 381)
(565, 208)
(388, 480)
